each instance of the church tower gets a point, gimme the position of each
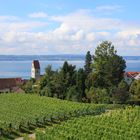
(35, 71)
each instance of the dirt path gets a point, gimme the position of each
(31, 136)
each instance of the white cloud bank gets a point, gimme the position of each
(77, 33)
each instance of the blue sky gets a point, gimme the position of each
(68, 27)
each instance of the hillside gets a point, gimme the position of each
(121, 124)
(23, 112)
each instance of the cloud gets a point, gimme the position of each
(21, 26)
(125, 35)
(109, 8)
(29, 25)
(83, 19)
(38, 15)
(75, 33)
(8, 18)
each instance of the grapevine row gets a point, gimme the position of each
(120, 124)
(20, 110)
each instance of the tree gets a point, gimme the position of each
(69, 74)
(46, 79)
(88, 62)
(108, 67)
(72, 94)
(135, 90)
(46, 82)
(57, 83)
(59, 87)
(98, 95)
(80, 83)
(46, 91)
(28, 86)
(90, 81)
(121, 94)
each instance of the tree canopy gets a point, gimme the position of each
(108, 67)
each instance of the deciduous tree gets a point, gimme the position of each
(108, 67)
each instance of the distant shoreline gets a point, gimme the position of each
(63, 57)
(20, 66)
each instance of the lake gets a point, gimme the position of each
(20, 66)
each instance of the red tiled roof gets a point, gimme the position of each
(36, 64)
(9, 82)
(132, 74)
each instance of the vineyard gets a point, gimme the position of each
(23, 112)
(120, 124)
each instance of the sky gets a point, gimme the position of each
(43, 27)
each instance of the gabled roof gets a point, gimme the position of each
(36, 64)
(9, 82)
(132, 74)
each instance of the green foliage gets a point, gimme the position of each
(80, 83)
(97, 95)
(121, 94)
(28, 86)
(63, 80)
(88, 62)
(97, 81)
(90, 81)
(69, 74)
(51, 83)
(45, 80)
(120, 124)
(72, 94)
(135, 89)
(108, 67)
(46, 92)
(57, 83)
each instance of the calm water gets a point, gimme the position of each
(20, 66)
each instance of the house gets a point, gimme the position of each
(35, 70)
(137, 77)
(130, 76)
(10, 84)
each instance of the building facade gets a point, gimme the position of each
(130, 76)
(35, 70)
(10, 84)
